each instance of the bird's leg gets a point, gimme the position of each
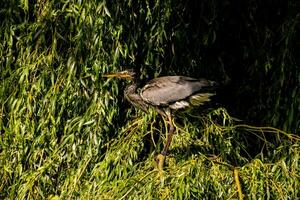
(161, 157)
(169, 135)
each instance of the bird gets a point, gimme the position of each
(166, 94)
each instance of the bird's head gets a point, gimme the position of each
(127, 74)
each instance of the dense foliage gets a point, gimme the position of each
(66, 132)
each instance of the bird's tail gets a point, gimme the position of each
(200, 99)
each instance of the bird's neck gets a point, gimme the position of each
(131, 89)
(133, 97)
(130, 92)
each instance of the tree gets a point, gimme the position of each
(66, 132)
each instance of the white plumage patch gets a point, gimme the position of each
(199, 99)
(179, 105)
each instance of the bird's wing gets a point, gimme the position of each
(168, 89)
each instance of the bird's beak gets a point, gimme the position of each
(117, 75)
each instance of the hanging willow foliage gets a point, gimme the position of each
(67, 133)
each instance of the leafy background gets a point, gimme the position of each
(67, 133)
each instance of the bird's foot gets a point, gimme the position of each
(160, 160)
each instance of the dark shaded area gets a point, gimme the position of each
(250, 48)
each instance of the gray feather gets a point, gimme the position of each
(165, 90)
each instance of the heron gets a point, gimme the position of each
(166, 94)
